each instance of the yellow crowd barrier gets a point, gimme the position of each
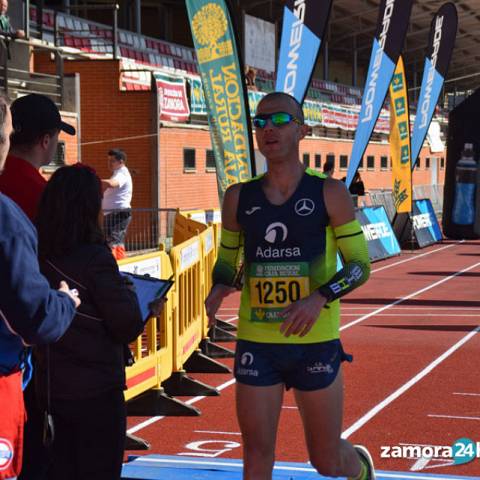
(185, 228)
(188, 314)
(153, 350)
(169, 340)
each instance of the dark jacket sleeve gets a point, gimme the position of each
(116, 303)
(34, 311)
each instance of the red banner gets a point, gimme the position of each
(172, 99)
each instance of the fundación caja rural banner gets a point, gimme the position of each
(225, 90)
(390, 34)
(437, 59)
(303, 27)
(400, 140)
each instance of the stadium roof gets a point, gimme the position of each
(353, 22)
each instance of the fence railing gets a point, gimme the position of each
(149, 228)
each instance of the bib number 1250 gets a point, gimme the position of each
(277, 292)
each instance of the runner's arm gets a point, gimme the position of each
(350, 240)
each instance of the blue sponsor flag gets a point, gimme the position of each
(303, 27)
(440, 46)
(387, 45)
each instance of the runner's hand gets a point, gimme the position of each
(214, 300)
(300, 316)
(66, 289)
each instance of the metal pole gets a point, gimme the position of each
(115, 31)
(325, 61)
(26, 15)
(138, 16)
(355, 62)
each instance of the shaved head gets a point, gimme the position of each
(292, 101)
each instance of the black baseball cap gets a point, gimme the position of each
(37, 114)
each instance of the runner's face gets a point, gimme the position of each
(278, 142)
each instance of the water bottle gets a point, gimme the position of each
(465, 185)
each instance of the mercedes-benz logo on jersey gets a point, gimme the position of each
(304, 207)
(274, 230)
(246, 359)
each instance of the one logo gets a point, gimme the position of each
(402, 128)
(304, 207)
(400, 108)
(319, 367)
(246, 359)
(404, 154)
(252, 210)
(274, 230)
(6, 453)
(397, 83)
(209, 25)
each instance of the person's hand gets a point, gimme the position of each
(73, 294)
(20, 34)
(214, 300)
(156, 306)
(300, 316)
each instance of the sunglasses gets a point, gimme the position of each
(278, 119)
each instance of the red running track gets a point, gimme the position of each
(413, 330)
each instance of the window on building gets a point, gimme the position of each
(343, 162)
(58, 159)
(189, 159)
(442, 162)
(331, 158)
(370, 162)
(427, 162)
(360, 165)
(306, 159)
(418, 164)
(210, 160)
(318, 160)
(384, 163)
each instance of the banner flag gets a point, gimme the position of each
(172, 98)
(400, 140)
(303, 27)
(437, 59)
(391, 29)
(225, 91)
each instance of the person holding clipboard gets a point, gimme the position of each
(80, 379)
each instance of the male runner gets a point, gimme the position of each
(291, 222)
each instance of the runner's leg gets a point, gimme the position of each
(322, 412)
(258, 412)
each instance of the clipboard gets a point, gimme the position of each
(148, 289)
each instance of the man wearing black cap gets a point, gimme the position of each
(37, 124)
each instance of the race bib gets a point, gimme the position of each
(274, 286)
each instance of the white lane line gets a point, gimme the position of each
(193, 400)
(286, 407)
(455, 417)
(407, 297)
(215, 432)
(384, 403)
(415, 257)
(418, 315)
(467, 394)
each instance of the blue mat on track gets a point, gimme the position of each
(160, 467)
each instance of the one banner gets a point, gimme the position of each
(223, 82)
(400, 141)
(381, 241)
(303, 26)
(172, 98)
(391, 30)
(419, 228)
(198, 105)
(440, 46)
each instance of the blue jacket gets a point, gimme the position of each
(30, 311)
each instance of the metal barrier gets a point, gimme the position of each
(153, 349)
(188, 312)
(385, 198)
(434, 193)
(149, 228)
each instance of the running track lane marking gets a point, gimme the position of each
(468, 394)
(458, 417)
(152, 420)
(407, 297)
(379, 407)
